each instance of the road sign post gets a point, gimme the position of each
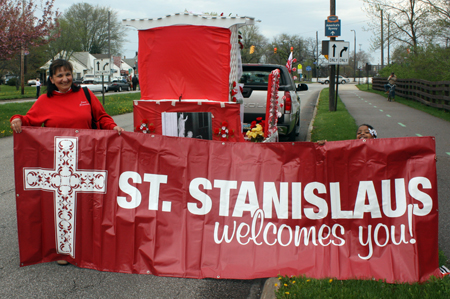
(102, 67)
(338, 52)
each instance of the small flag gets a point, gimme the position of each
(289, 62)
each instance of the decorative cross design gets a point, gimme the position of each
(65, 181)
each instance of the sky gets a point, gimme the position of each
(301, 17)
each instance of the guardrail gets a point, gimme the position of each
(434, 94)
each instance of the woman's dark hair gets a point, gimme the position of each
(54, 66)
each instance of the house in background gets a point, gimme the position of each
(83, 64)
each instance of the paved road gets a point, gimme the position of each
(391, 120)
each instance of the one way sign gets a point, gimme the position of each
(338, 52)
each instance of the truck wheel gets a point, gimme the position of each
(120, 88)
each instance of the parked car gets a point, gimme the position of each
(31, 82)
(119, 85)
(341, 80)
(255, 79)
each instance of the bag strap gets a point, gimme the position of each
(88, 97)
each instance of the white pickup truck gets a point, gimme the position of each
(255, 79)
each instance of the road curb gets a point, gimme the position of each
(269, 288)
(310, 128)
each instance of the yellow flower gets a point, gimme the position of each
(276, 284)
(285, 284)
(330, 280)
(308, 280)
(287, 293)
(293, 282)
(279, 278)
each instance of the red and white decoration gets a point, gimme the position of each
(273, 105)
(65, 181)
(184, 207)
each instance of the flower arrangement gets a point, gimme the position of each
(146, 127)
(223, 132)
(256, 132)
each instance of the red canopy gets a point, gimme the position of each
(188, 61)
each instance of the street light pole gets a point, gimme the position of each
(354, 56)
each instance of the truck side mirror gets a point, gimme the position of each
(301, 87)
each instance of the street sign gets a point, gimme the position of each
(102, 67)
(338, 52)
(308, 68)
(332, 26)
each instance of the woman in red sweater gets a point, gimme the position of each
(65, 105)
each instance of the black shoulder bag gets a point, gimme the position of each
(88, 97)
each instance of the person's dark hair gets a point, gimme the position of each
(54, 66)
(371, 129)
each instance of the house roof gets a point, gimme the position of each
(189, 19)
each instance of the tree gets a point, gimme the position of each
(251, 37)
(21, 29)
(283, 43)
(441, 12)
(409, 21)
(85, 29)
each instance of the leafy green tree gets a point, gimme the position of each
(440, 11)
(283, 43)
(254, 44)
(84, 28)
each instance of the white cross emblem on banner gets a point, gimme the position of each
(65, 181)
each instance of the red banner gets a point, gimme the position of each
(184, 207)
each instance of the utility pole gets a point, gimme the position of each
(109, 45)
(388, 41)
(331, 99)
(22, 53)
(382, 41)
(317, 55)
(354, 56)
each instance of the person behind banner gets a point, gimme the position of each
(364, 131)
(38, 88)
(65, 105)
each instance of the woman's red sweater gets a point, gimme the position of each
(67, 110)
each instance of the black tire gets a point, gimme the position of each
(293, 134)
(343, 82)
(128, 88)
(120, 89)
(327, 82)
(104, 90)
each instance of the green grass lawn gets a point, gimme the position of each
(332, 126)
(10, 92)
(114, 104)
